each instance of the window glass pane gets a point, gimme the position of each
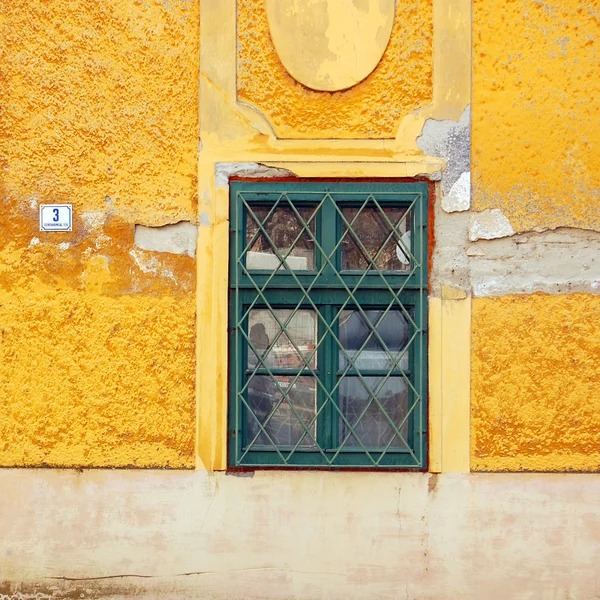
(385, 237)
(275, 345)
(364, 349)
(285, 232)
(281, 424)
(374, 429)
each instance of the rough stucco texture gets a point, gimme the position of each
(97, 352)
(536, 140)
(100, 99)
(401, 83)
(97, 348)
(536, 383)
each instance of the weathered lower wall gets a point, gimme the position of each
(346, 536)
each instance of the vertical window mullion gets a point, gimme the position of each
(329, 236)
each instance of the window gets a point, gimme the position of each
(328, 309)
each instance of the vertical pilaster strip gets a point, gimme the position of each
(456, 380)
(435, 385)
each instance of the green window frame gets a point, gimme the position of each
(328, 325)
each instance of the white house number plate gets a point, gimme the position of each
(56, 217)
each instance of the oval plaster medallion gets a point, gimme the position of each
(330, 45)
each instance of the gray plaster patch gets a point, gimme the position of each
(179, 238)
(450, 264)
(223, 171)
(489, 224)
(450, 140)
(559, 261)
(459, 197)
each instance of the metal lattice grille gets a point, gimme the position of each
(328, 324)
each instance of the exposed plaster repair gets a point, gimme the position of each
(559, 261)
(489, 224)
(450, 140)
(179, 238)
(223, 171)
(459, 197)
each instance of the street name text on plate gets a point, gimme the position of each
(56, 217)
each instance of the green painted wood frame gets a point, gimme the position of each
(326, 290)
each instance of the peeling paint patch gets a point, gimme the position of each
(150, 264)
(558, 261)
(93, 219)
(223, 171)
(489, 224)
(179, 238)
(459, 198)
(450, 140)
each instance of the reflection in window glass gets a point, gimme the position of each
(286, 233)
(378, 235)
(367, 351)
(278, 347)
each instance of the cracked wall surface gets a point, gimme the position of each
(99, 110)
(311, 535)
(534, 371)
(99, 327)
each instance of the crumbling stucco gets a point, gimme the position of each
(223, 171)
(97, 350)
(536, 93)
(459, 197)
(488, 225)
(450, 140)
(559, 261)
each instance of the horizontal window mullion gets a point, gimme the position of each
(373, 373)
(284, 372)
(368, 282)
(283, 297)
(347, 458)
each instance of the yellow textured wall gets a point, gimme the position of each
(374, 108)
(536, 383)
(536, 101)
(99, 109)
(100, 99)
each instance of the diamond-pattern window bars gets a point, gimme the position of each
(328, 312)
